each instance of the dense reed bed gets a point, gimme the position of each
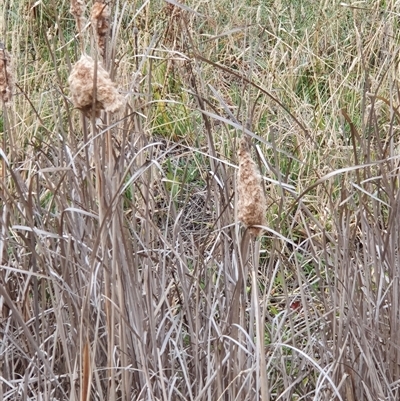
(199, 201)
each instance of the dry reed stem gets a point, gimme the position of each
(81, 81)
(252, 203)
(85, 372)
(100, 19)
(6, 76)
(77, 9)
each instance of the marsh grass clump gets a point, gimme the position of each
(81, 82)
(6, 76)
(123, 274)
(100, 19)
(252, 203)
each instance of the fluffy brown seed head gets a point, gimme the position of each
(252, 203)
(6, 76)
(100, 19)
(77, 9)
(81, 81)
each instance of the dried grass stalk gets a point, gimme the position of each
(77, 9)
(100, 19)
(6, 76)
(81, 83)
(252, 203)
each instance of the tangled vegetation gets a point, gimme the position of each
(125, 271)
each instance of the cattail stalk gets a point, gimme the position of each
(252, 203)
(6, 77)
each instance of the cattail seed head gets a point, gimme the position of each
(100, 19)
(252, 203)
(6, 76)
(81, 82)
(77, 9)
